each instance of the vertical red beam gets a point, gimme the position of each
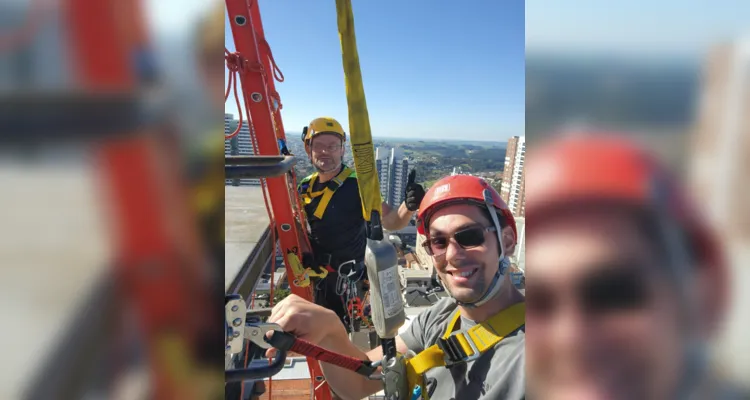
(156, 260)
(99, 51)
(256, 92)
(265, 56)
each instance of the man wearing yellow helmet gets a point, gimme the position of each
(334, 212)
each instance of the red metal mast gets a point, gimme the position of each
(256, 73)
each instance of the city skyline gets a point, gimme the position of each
(296, 136)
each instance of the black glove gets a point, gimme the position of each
(414, 192)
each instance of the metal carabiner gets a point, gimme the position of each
(256, 333)
(341, 273)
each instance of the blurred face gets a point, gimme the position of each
(602, 322)
(326, 152)
(465, 250)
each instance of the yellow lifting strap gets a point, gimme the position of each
(473, 342)
(327, 192)
(363, 150)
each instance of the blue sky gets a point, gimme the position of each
(431, 69)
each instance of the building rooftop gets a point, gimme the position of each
(265, 284)
(54, 250)
(246, 218)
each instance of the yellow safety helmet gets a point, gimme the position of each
(210, 32)
(322, 125)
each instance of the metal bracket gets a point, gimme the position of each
(237, 167)
(235, 311)
(395, 385)
(239, 329)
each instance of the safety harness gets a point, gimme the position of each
(457, 347)
(307, 194)
(349, 272)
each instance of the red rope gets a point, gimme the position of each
(235, 64)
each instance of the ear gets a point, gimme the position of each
(509, 241)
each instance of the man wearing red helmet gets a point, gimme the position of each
(626, 283)
(471, 344)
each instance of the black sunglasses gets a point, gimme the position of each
(607, 291)
(466, 238)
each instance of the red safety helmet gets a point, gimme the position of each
(461, 189)
(613, 170)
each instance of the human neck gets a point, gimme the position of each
(506, 297)
(327, 176)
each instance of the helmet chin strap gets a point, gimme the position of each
(494, 287)
(491, 292)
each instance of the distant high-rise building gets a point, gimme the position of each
(720, 167)
(40, 61)
(240, 145)
(721, 144)
(381, 164)
(230, 124)
(393, 171)
(514, 178)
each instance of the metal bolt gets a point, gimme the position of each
(257, 97)
(235, 308)
(237, 322)
(236, 334)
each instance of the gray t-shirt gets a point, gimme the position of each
(497, 375)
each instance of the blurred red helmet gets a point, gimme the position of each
(612, 169)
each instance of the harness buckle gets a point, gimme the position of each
(454, 353)
(321, 265)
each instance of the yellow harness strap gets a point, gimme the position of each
(327, 192)
(473, 342)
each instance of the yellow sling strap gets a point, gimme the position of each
(327, 192)
(363, 150)
(472, 343)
